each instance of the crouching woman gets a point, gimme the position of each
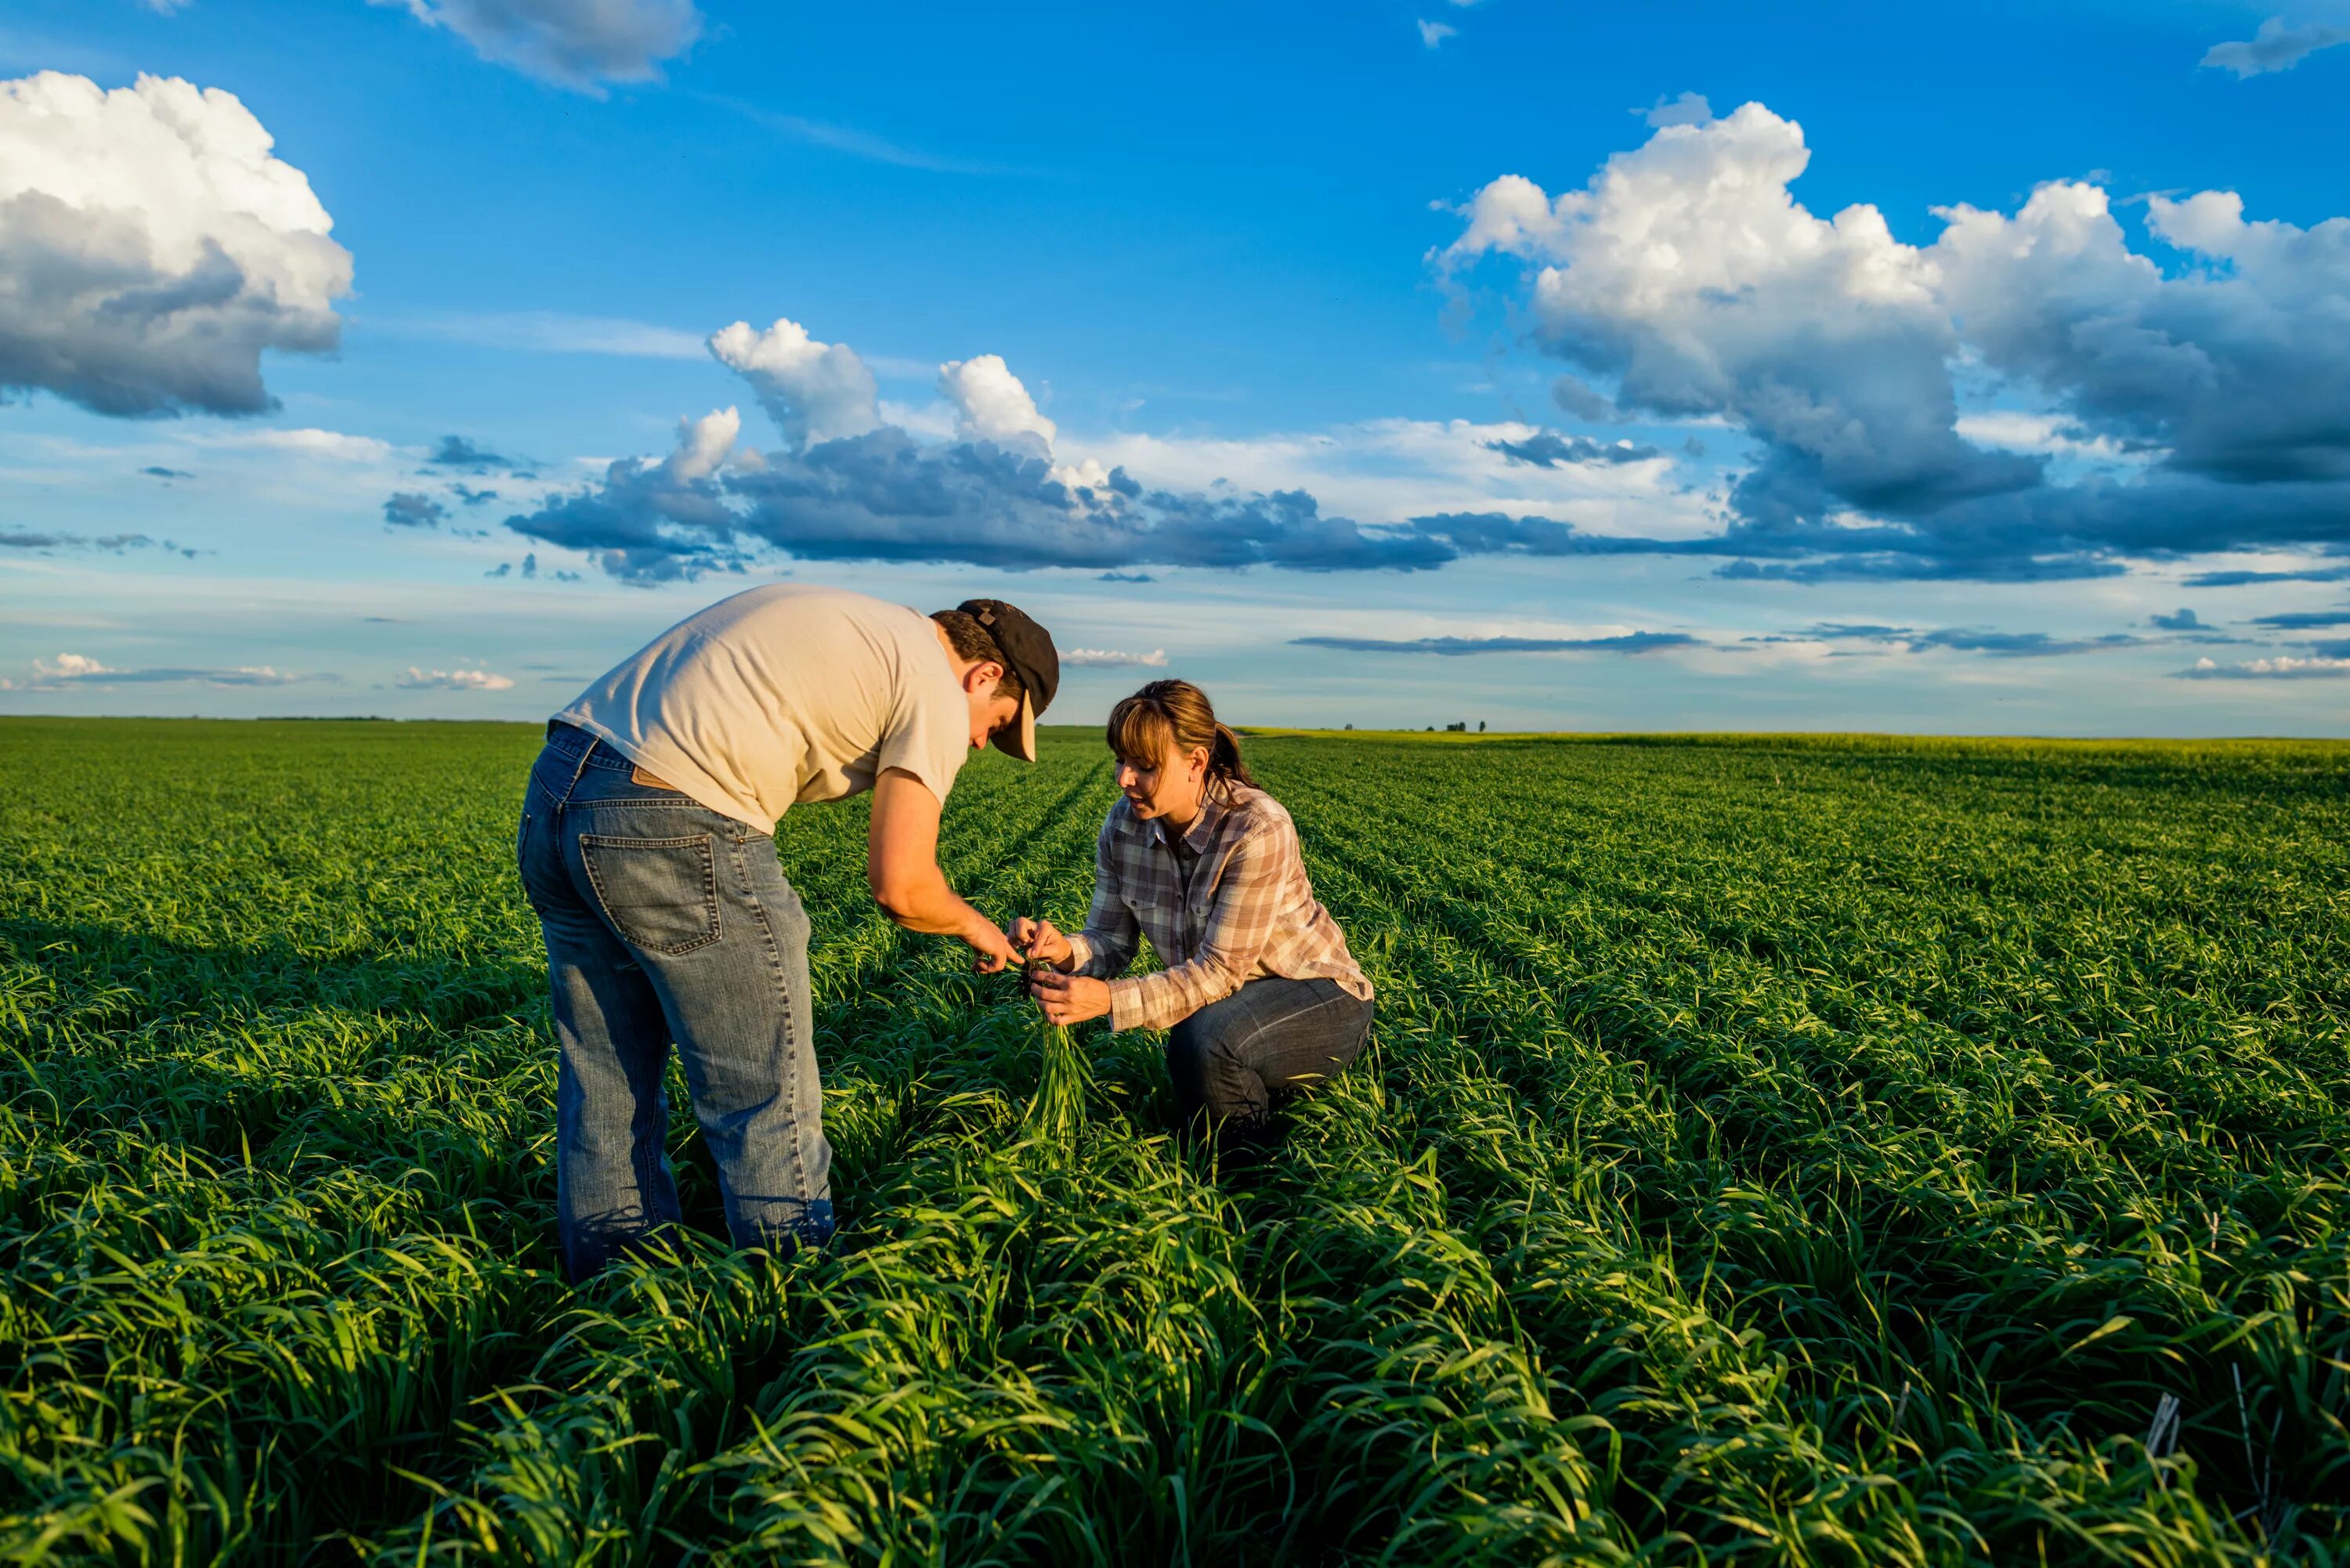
(1258, 992)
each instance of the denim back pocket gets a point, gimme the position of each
(660, 894)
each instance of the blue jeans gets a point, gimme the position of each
(665, 921)
(1227, 1059)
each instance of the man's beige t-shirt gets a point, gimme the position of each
(784, 694)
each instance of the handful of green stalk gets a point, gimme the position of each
(1058, 1109)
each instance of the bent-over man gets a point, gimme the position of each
(647, 849)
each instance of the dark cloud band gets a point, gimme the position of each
(1457, 647)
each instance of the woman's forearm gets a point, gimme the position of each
(1164, 998)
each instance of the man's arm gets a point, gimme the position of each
(901, 864)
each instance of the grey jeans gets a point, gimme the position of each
(1228, 1058)
(667, 921)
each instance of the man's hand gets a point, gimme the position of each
(1065, 999)
(1038, 940)
(994, 953)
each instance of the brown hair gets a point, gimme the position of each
(1175, 711)
(970, 641)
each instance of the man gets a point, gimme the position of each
(647, 850)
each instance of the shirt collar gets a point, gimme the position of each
(1214, 803)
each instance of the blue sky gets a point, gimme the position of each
(1966, 368)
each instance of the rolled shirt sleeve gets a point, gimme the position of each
(928, 735)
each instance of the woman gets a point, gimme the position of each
(1259, 991)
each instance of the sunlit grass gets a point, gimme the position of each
(1825, 1150)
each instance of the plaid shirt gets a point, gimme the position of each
(1240, 910)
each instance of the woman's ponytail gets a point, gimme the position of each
(1175, 711)
(1224, 757)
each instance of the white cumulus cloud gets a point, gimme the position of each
(991, 403)
(703, 445)
(151, 247)
(1105, 658)
(813, 391)
(417, 679)
(1688, 269)
(1086, 473)
(1433, 34)
(577, 43)
(2283, 667)
(2241, 371)
(1687, 273)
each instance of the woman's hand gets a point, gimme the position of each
(1038, 940)
(1067, 999)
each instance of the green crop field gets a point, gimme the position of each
(1839, 1151)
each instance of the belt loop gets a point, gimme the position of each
(580, 767)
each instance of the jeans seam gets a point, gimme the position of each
(633, 803)
(647, 1155)
(522, 848)
(774, 947)
(578, 768)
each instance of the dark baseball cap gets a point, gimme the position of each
(1028, 648)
